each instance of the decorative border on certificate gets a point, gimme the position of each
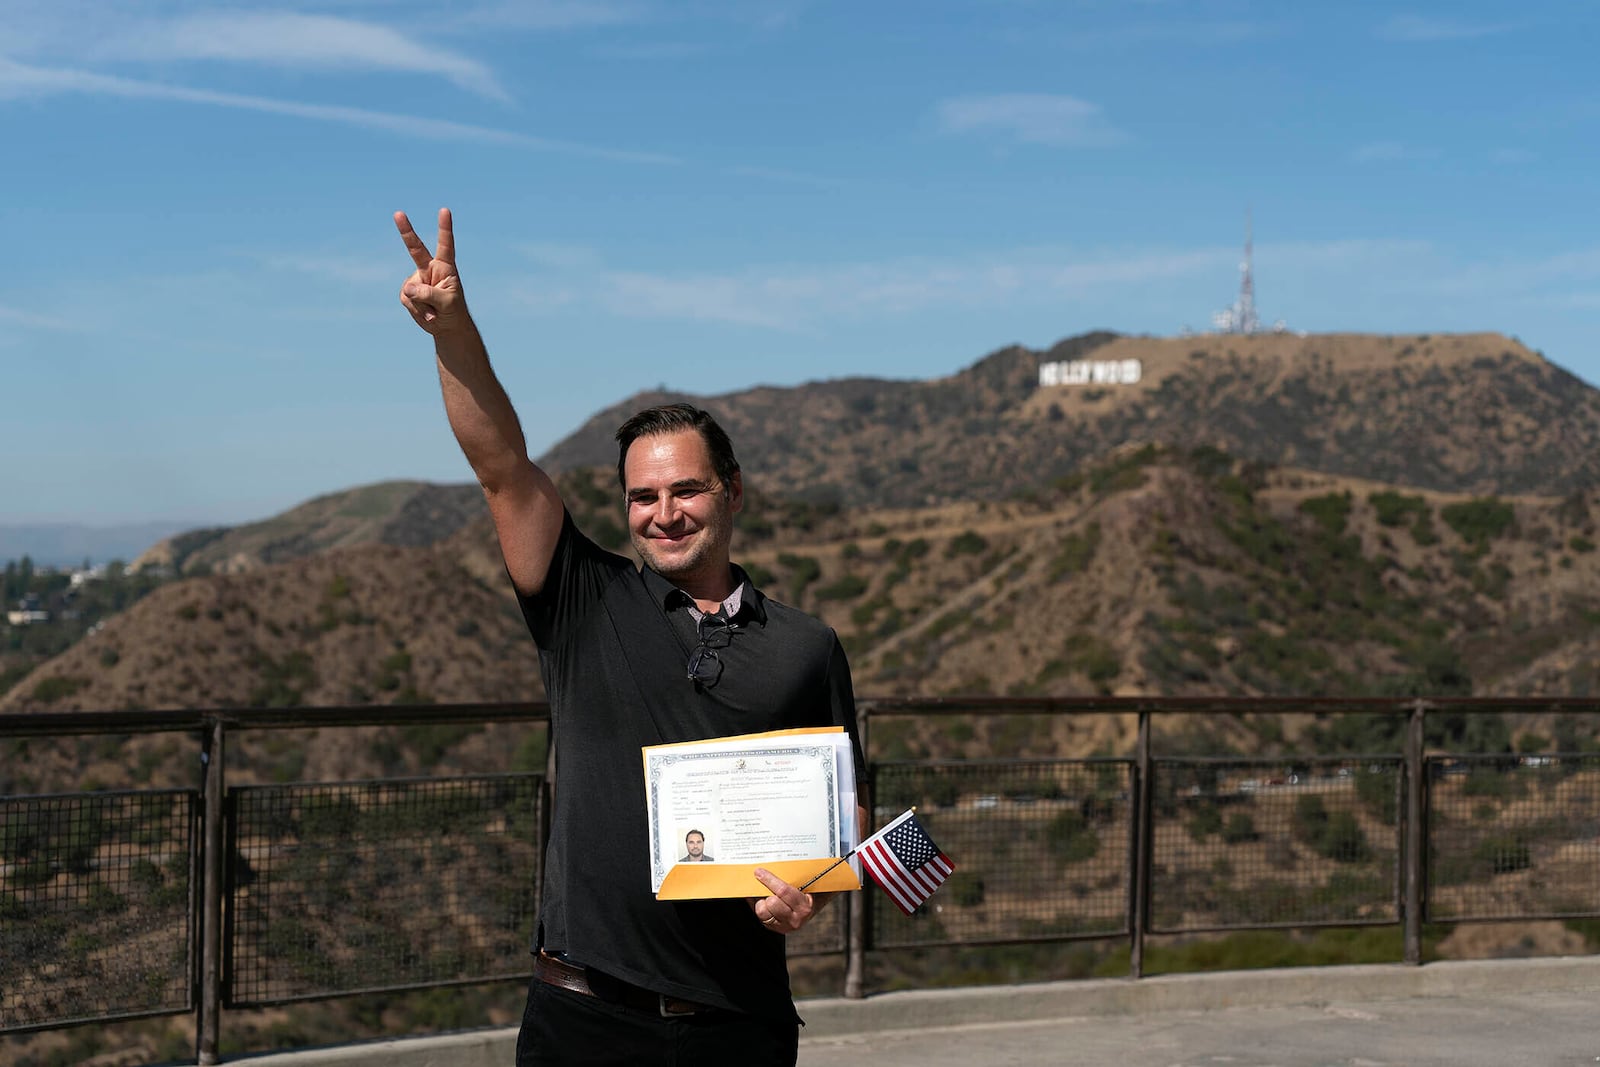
(752, 801)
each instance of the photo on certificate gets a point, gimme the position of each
(747, 801)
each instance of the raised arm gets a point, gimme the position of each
(523, 500)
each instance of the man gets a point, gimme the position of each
(694, 848)
(682, 649)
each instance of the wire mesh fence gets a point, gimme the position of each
(1253, 843)
(96, 899)
(1513, 837)
(1040, 848)
(351, 887)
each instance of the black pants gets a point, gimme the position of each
(561, 1028)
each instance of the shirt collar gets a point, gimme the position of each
(750, 605)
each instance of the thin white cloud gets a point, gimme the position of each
(806, 298)
(1390, 152)
(561, 256)
(293, 40)
(554, 14)
(790, 177)
(1191, 34)
(733, 300)
(18, 81)
(1425, 28)
(1512, 157)
(1561, 271)
(346, 270)
(800, 299)
(1032, 118)
(1586, 301)
(651, 51)
(33, 320)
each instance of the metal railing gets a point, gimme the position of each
(127, 904)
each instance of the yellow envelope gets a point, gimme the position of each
(695, 881)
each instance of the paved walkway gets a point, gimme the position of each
(1488, 1013)
(1494, 1013)
(1491, 1031)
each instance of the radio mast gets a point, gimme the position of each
(1241, 317)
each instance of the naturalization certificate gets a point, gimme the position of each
(739, 802)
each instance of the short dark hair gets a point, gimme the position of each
(693, 833)
(670, 418)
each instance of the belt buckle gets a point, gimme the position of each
(666, 1013)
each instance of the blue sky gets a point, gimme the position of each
(199, 319)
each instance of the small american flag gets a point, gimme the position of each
(905, 862)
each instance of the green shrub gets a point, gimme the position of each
(1503, 854)
(1310, 818)
(1075, 553)
(966, 889)
(1330, 511)
(847, 587)
(1379, 794)
(966, 543)
(1422, 531)
(1394, 508)
(1480, 520)
(1206, 820)
(1240, 829)
(1344, 840)
(1336, 837)
(58, 688)
(1071, 839)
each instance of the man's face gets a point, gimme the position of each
(696, 845)
(680, 516)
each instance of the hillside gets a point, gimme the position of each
(1472, 413)
(387, 513)
(1152, 572)
(1476, 413)
(370, 625)
(1161, 572)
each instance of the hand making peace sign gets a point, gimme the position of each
(433, 292)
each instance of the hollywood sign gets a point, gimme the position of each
(1091, 372)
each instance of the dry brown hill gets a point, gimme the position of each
(1185, 575)
(1474, 413)
(370, 625)
(1155, 571)
(385, 513)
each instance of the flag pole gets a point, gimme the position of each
(909, 811)
(828, 868)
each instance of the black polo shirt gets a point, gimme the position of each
(614, 645)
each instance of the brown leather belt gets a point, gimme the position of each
(559, 972)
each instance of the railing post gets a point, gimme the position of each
(212, 866)
(1415, 847)
(855, 962)
(1143, 823)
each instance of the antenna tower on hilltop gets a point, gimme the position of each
(1241, 317)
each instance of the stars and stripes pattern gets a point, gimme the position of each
(905, 862)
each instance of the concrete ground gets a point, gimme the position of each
(1491, 1031)
(1494, 1013)
(1497, 1012)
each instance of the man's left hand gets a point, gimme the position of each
(787, 909)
